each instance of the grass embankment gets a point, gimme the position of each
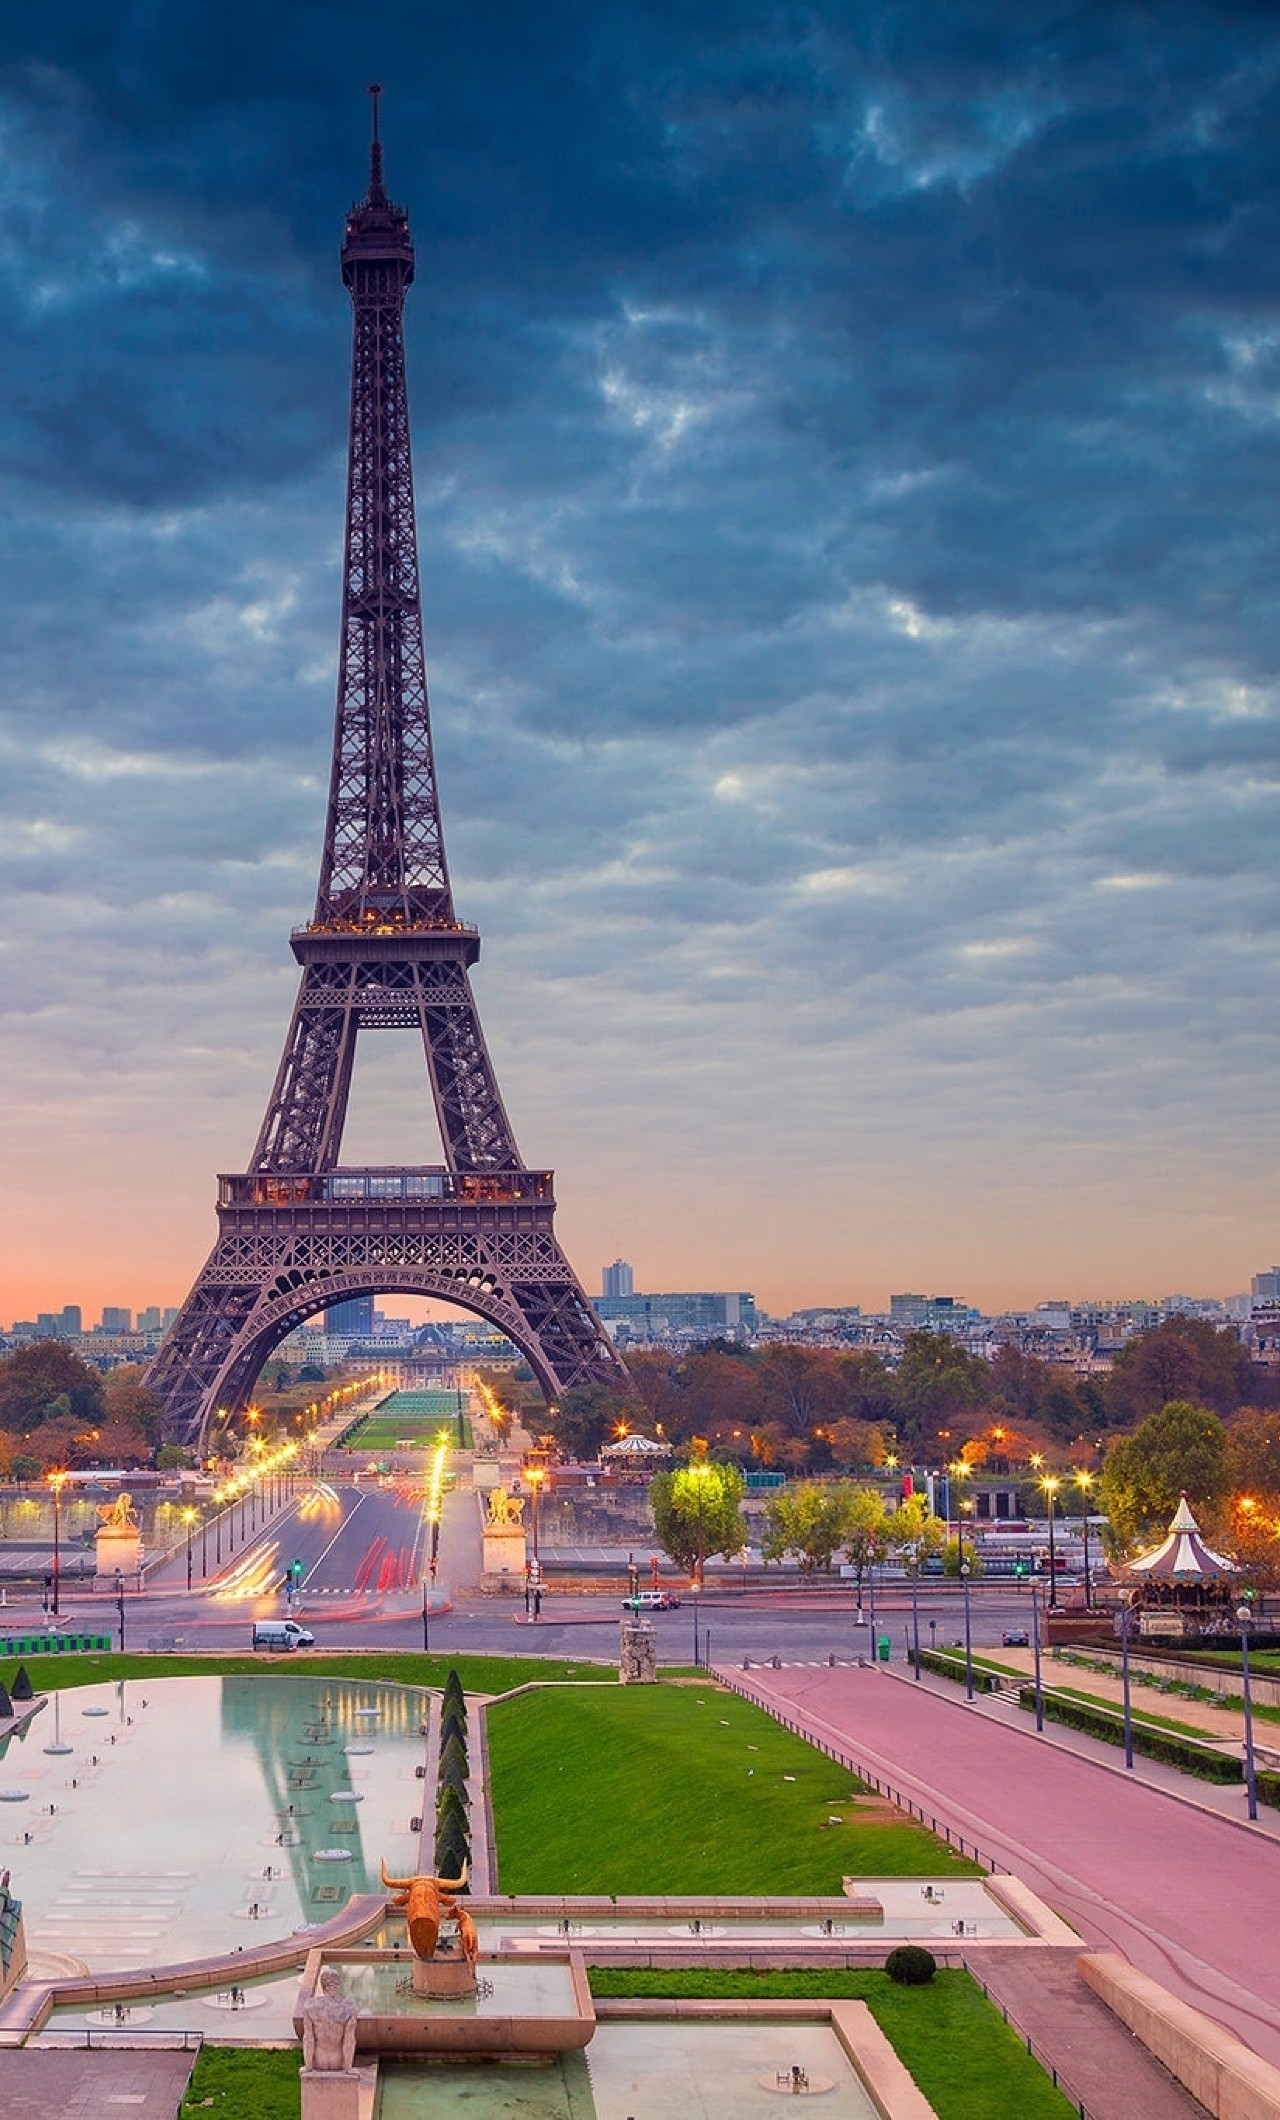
(680, 1790)
(231, 2083)
(1140, 1714)
(479, 1674)
(963, 2056)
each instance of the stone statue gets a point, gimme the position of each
(329, 2027)
(119, 1516)
(505, 1508)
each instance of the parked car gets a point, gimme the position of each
(650, 1601)
(1016, 1638)
(281, 1634)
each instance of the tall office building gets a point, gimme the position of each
(72, 1319)
(1266, 1286)
(353, 1320)
(114, 1319)
(619, 1279)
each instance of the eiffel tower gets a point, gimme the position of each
(384, 950)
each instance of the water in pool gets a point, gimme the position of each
(193, 1815)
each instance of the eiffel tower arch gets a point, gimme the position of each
(384, 949)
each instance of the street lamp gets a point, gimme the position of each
(536, 1476)
(915, 1608)
(1051, 1483)
(55, 1481)
(189, 1519)
(968, 1639)
(1084, 1481)
(1035, 1647)
(1126, 1615)
(1244, 1615)
(120, 1606)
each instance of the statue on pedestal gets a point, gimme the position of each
(118, 1543)
(329, 2027)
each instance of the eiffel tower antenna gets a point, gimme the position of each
(384, 949)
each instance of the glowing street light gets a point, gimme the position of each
(1084, 1481)
(56, 1481)
(189, 1519)
(1050, 1484)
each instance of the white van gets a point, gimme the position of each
(281, 1634)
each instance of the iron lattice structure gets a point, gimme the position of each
(384, 950)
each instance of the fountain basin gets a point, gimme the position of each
(520, 2008)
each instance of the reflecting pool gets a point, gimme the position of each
(195, 1815)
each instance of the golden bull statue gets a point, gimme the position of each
(426, 1902)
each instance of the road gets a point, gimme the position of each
(363, 1550)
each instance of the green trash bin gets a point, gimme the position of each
(883, 1646)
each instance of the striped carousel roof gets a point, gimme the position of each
(1183, 1556)
(636, 1446)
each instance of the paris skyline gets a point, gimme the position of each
(846, 474)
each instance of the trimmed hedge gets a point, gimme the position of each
(1183, 1752)
(950, 1665)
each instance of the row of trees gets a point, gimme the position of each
(57, 1410)
(697, 1512)
(810, 1409)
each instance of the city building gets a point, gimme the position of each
(618, 1279)
(683, 1314)
(115, 1320)
(352, 1319)
(914, 1313)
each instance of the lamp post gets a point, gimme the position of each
(1035, 1647)
(426, 1624)
(1051, 1483)
(1126, 1615)
(55, 1481)
(871, 1601)
(120, 1606)
(535, 1477)
(915, 1608)
(968, 1639)
(204, 1545)
(189, 1519)
(1084, 1481)
(1244, 1615)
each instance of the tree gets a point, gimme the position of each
(914, 1529)
(939, 1385)
(1183, 1448)
(697, 1510)
(810, 1520)
(866, 1539)
(1250, 1522)
(958, 1553)
(1185, 1360)
(128, 1403)
(32, 1379)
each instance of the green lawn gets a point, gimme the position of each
(682, 1789)
(479, 1674)
(1140, 1714)
(963, 2056)
(233, 2083)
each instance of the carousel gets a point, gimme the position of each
(1182, 1588)
(635, 1453)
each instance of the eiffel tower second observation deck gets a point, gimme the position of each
(384, 949)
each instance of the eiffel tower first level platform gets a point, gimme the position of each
(384, 951)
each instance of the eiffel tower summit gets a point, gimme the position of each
(384, 950)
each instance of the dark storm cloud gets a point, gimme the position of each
(847, 449)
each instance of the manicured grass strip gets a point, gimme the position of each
(967, 2061)
(237, 2083)
(641, 1789)
(1140, 1714)
(479, 1674)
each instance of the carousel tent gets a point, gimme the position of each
(1183, 1557)
(635, 1449)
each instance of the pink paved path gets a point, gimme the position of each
(1190, 1899)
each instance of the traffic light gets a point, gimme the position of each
(1019, 1569)
(297, 1569)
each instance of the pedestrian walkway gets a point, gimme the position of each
(1098, 2061)
(1187, 1896)
(45, 2084)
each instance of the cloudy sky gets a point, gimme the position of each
(848, 465)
